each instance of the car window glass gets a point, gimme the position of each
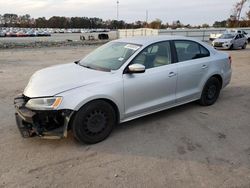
(204, 52)
(110, 56)
(237, 37)
(188, 50)
(156, 55)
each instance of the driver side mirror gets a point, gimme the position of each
(136, 68)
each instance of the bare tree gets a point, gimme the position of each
(237, 10)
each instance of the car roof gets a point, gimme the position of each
(146, 40)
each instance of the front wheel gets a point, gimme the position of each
(94, 122)
(211, 92)
(231, 47)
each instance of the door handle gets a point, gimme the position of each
(172, 74)
(204, 66)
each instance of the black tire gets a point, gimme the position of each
(244, 46)
(231, 47)
(210, 92)
(94, 122)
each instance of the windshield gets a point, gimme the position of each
(110, 56)
(226, 36)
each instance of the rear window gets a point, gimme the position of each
(189, 50)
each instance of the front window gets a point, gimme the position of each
(110, 56)
(155, 55)
(226, 36)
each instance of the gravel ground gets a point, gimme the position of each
(188, 146)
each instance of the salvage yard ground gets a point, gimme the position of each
(188, 146)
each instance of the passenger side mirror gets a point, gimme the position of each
(136, 68)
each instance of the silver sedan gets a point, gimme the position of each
(120, 81)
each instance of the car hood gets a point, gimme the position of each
(222, 40)
(57, 79)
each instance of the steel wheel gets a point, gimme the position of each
(211, 92)
(94, 122)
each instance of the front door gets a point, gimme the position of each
(155, 88)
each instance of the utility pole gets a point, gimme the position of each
(146, 18)
(117, 2)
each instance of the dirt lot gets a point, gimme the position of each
(188, 146)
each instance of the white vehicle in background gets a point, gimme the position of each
(214, 36)
(230, 41)
(239, 32)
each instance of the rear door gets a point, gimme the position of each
(237, 41)
(243, 39)
(193, 64)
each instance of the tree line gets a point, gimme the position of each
(14, 20)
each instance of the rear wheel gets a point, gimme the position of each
(211, 92)
(244, 46)
(94, 122)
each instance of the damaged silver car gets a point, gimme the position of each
(120, 81)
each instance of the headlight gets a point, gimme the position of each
(50, 103)
(227, 42)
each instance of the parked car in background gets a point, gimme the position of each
(11, 34)
(122, 80)
(214, 36)
(230, 41)
(237, 31)
(21, 34)
(25, 32)
(2, 34)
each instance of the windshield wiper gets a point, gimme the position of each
(95, 68)
(88, 67)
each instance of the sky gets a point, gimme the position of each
(193, 12)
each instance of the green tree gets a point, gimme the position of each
(220, 23)
(41, 22)
(205, 25)
(156, 24)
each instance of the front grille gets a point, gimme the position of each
(218, 44)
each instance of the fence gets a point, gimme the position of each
(124, 33)
(201, 34)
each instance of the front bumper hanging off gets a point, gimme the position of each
(52, 124)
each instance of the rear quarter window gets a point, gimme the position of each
(189, 50)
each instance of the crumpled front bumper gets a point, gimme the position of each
(46, 124)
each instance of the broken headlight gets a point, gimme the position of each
(50, 103)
